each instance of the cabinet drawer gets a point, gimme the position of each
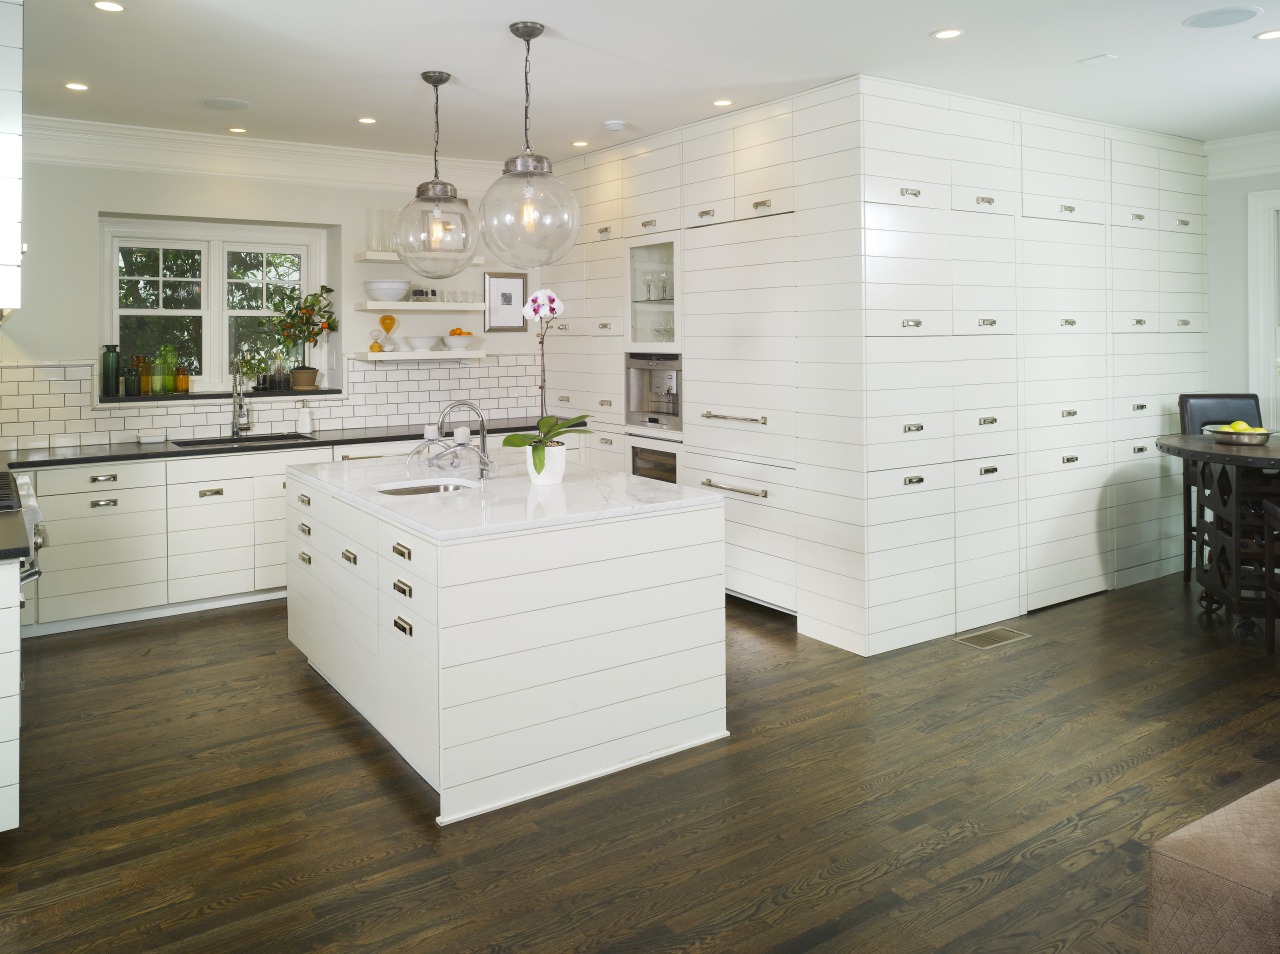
(915, 427)
(114, 600)
(929, 195)
(306, 502)
(1135, 217)
(910, 480)
(221, 514)
(1067, 459)
(304, 560)
(98, 578)
(602, 231)
(74, 556)
(707, 213)
(9, 763)
(269, 487)
(98, 477)
(1127, 452)
(207, 586)
(988, 420)
(763, 203)
(269, 577)
(909, 324)
(1182, 321)
(210, 493)
(402, 548)
(984, 322)
(1063, 208)
(230, 466)
(1135, 322)
(990, 201)
(990, 470)
(973, 446)
(97, 505)
(195, 542)
(1068, 412)
(269, 554)
(663, 221)
(743, 483)
(269, 509)
(405, 589)
(211, 562)
(1182, 222)
(307, 531)
(409, 638)
(353, 558)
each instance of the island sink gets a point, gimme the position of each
(415, 487)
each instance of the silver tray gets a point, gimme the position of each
(1224, 435)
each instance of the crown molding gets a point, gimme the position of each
(1256, 155)
(144, 149)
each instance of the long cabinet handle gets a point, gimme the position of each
(403, 588)
(109, 502)
(708, 482)
(403, 625)
(103, 479)
(350, 557)
(731, 417)
(402, 551)
(211, 492)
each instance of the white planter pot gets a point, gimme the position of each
(553, 466)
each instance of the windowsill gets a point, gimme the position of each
(216, 396)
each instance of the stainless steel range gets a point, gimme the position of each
(653, 391)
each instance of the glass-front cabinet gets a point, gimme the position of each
(652, 298)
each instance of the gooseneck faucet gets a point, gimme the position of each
(486, 463)
(239, 409)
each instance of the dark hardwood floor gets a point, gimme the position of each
(190, 785)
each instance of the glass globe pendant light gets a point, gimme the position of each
(529, 218)
(436, 233)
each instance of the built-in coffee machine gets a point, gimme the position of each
(653, 391)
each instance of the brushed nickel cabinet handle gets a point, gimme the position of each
(912, 428)
(103, 479)
(1139, 407)
(731, 417)
(1184, 321)
(986, 200)
(304, 529)
(403, 625)
(605, 402)
(982, 421)
(707, 214)
(562, 327)
(350, 557)
(1137, 217)
(984, 471)
(564, 398)
(605, 325)
(607, 441)
(912, 481)
(1066, 208)
(986, 322)
(304, 557)
(1069, 412)
(211, 492)
(403, 588)
(708, 482)
(402, 551)
(914, 193)
(304, 500)
(762, 204)
(1184, 222)
(912, 323)
(648, 223)
(1068, 322)
(1070, 459)
(604, 231)
(1139, 322)
(109, 502)
(1140, 449)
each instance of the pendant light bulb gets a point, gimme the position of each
(529, 218)
(436, 233)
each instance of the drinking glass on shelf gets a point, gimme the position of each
(664, 286)
(646, 286)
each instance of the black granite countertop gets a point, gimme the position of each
(13, 531)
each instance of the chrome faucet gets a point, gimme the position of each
(239, 409)
(486, 463)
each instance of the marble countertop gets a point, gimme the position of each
(507, 503)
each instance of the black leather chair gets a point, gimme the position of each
(1195, 411)
(1270, 584)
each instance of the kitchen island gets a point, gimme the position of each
(510, 640)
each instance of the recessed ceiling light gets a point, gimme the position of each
(1100, 58)
(78, 87)
(950, 33)
(722, 102)
(367, 120)
(237, 129)
(1227, 16)
(1267, 35)
(580, 144)
(109, 6)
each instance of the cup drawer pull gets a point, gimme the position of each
(1139, 322)
(350, 557)
(1184, 222)
(1183, 322)
(648, 223)
(912, 428)
(986, 200)
(1067, 208)
(1070, 412)
(1140, 449)
(762, 204)
(402, 551)
(563, 326)
(707, 214)
(984, 471)
(109, 502)
(1139, 407)
(914, 193)
(403, 625)
(1137, 217)
(1070, 459)
(912, 323)
(403, 588)
(1068, 322)
(708, 482)
(211, 492)
(607, 441)
(605, 402)
(565, 398)
(730, 417)
(986, 322)
(103, 479)
(604, 231)
(983, 421)
(605, 325)
(304, 529)
(912, 481)
(304, 557)
(304, 500)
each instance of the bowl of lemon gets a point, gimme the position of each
(1238, 432)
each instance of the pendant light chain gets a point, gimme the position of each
(527, 45)
(435, 155)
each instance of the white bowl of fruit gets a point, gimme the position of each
(458, 340)
(1238, 432)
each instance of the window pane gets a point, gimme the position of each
(257, 341)
(144, 334)
(182, 296)
(279, 297)
(139, 261)
(284, 268)
(241, 296)
(181, 263)
(244, 265)
(135, 293)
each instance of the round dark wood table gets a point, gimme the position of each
(1224, 486)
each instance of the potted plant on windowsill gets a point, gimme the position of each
(304, 322)
(544, 454)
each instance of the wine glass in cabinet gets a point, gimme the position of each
(651, 295)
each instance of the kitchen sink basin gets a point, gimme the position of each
(410, 488)
(255, 440)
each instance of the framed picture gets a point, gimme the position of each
(504, 295)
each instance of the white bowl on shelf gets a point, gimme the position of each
(386, 289)
(422, 343)
(459, 342)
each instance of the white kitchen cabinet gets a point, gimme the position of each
(10, 693)
(650, 293)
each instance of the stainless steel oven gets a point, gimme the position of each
(653, 391)
(653, 458)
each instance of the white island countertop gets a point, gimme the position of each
(507, 503)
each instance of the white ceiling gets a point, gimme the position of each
(311, 67)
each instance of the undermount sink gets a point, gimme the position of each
(409, 488)
(245, 441)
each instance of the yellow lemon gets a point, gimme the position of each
(1239, 426)
(1258, 430)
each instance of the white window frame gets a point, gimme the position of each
(215, 239)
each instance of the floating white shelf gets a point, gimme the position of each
(415, 355)
(399, 306)
(392, 258)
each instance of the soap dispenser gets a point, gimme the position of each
(304, 419)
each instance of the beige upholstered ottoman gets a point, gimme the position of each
(1215, 885)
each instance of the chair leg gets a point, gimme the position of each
(1188, 533)
(1269, 594)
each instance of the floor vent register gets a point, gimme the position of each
(991, 638)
